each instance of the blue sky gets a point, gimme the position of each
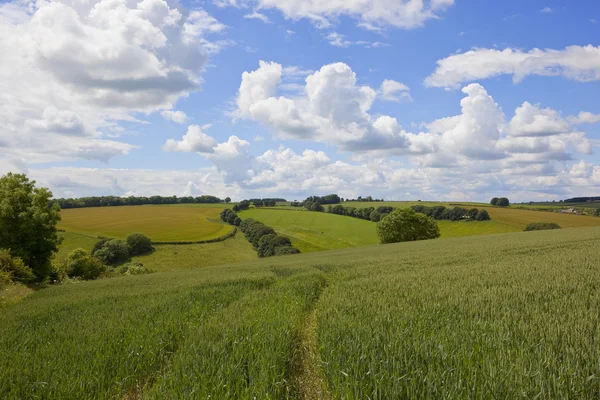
(482, 98)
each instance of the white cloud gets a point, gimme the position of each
(176, 116)
(531, 120)
(371, 14)
(391, 90)
(578, 63)
(337, 40)
(73, 71)
(585, 117)
(259, 16)
(546, 10)
(193, 141)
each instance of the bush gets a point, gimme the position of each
(403, 225)
(472, 213)
(494, 201)
(139, 244)
(597, 212)
(541, 226)
(14, 268)
(80, 264)
(503, 202)
(132, 268)
(483, 215)
(375, 216)
(286, 250)
(99, 244)
(112, 252)
(5, 279)
(269, 243)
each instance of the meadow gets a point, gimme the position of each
(502, 316)
(160, 223)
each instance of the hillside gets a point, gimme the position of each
(512, 316)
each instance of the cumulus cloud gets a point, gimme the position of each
(332, 108)
(193, 141)
(369, 13)
(73, 71)
(259, 16)
(391, 90)
(531, 120)
(176, 116)
(584, 117)
(578, 63)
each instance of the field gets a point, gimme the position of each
(169, 257)
(160, 223)
(497, 316)
(312, 231)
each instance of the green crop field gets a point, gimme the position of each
(313, 231)
(160, 223)
(497, 316)
(169, 257)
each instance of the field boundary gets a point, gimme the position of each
(222, 238)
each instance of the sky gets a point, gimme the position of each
(397, 99)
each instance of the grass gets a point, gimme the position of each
(497, 316)
(169, 257)
(160, 223)
(313, 231)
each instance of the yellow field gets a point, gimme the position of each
(161, 224)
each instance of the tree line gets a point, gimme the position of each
(500, 202)
(112, 201)
(452, 214)
(263, 238)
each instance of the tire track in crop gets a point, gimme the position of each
(307, 373)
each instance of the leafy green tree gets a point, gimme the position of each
(483, 215)
(403, 225)
(14, 268)
(28, 221)
(139, 244)
(503, 202)
(494, 201)
(81, 265)
(113, 252)
(375, 216)
(227, 200)
(472, 213)
(285, 250)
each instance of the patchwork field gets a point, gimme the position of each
(160, 223)
(312, 231)
(502, 316)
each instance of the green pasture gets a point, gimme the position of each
(169, 257)
(497, 316)
(160, 223)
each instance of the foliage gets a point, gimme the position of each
(494, 201)
(597, 212)
(503, 202)
(375, 216)
(80, 264)
(111, 201)
(13, 268)
(403, 225)
(132, 268)
(112, 252)
(540, 226)
(28, 222)
(139, 244)
(483, 215)
(327, 199)
(450, 214)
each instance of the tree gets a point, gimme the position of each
(494, 201)
(81, 265)
(403, 225)
(227, 200)
(28, 221)
(483, 215)
(503, 202)
(540, 226)
(375, 216)
(597, 212)
(14, 268)
(139, 244)
(112, 252)
(472, 214)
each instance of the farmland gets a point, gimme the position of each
(160, 223)
(512, 315)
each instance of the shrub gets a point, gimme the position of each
(597, 212)
(483, 215)
(80, 264)
(472, 213)
(285, 250)
(112, 252)
(139, 244)
(14, 268)
(503, 202)
(5, 279)
(375, 216)
(404, 225)
(99, 244)
(541, 226)
(132, 268)
(268, 244)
